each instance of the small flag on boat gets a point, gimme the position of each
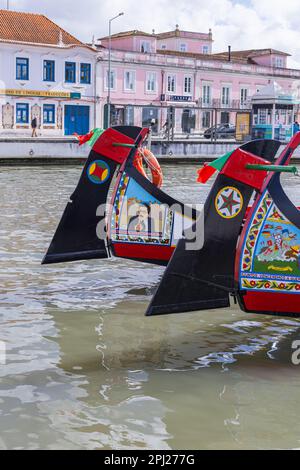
(89, 138)
(210, 168)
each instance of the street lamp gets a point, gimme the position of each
(109, 67)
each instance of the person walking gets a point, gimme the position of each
(34, 127)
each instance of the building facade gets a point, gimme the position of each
(172, 79)
(175, 76)
(46, 74)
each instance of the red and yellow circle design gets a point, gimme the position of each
(98, 172)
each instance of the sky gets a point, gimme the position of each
(243, 24)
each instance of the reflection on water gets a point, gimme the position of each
(86, 369)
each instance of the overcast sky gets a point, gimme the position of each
(244, 24)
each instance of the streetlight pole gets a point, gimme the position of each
(7, 3)
(109, 68)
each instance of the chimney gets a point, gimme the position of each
(229, 53)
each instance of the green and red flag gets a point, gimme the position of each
(210, 168)
(90, 138)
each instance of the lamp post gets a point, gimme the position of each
(109, 68)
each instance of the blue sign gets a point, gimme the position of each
(180, 98)
(75, 96)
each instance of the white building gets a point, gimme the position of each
(45, 73)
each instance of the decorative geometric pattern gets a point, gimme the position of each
(257, 222)
(229, 202)
(7, 116)
(118, 201)
(98, 172)
(268, 285)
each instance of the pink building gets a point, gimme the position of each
(175, 75)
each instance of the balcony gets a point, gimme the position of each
(216, 103)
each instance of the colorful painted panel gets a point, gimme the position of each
(270, 258)
(138, 217)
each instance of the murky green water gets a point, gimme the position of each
(85, 368)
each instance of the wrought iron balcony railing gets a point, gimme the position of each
(217, 103)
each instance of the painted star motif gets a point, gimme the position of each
(229, 202)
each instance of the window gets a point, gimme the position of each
(278, 62)
(188, 120)
(149, 115)
(49, 71)
(22, 65)
(183, 48)
(188, 85)
(206, 95)
(205, 50)
(151, 82)
(145, 46)
(243, 96)
(264, 116)
(172, 83)
(22, 114)
(205, 119)
(49, 114)
(225, 96)
(163, 46)
(129, 82)
(129, 116)
(112, 80)
(85, 73)
(70, 72)
(224, 117)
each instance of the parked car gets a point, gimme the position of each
(223, 131)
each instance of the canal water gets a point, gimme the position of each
(84, 367)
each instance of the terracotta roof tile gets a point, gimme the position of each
(32, 28)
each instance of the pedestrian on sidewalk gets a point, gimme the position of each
(34, 127)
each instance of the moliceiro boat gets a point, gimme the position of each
(245, 243)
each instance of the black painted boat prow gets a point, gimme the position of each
(204, 278)
(76, 237)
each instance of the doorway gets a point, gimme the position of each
(77, 119)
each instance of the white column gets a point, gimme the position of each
(273, 120)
